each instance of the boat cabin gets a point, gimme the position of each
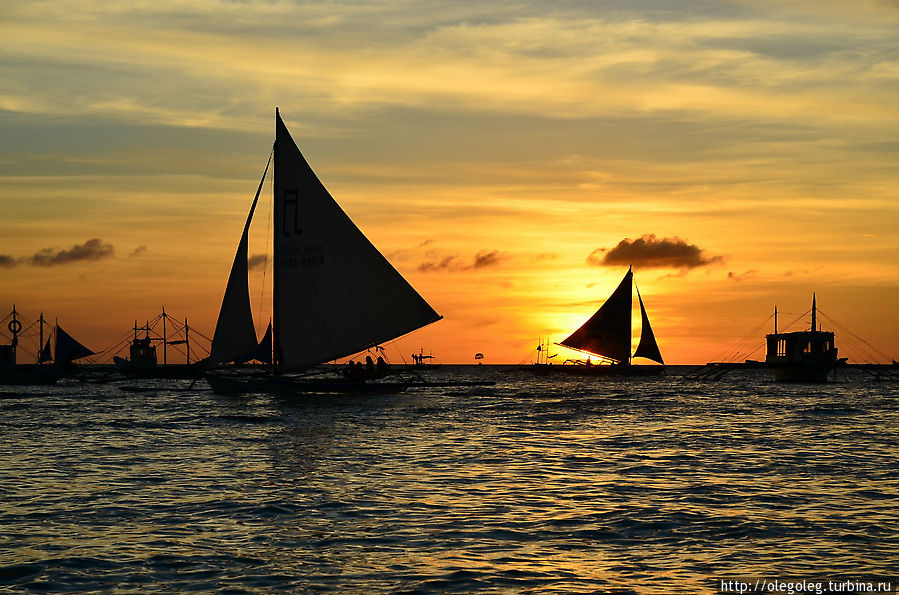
(143, 352)
(795, 347)
(802, 356)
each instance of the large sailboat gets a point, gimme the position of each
(607, 337)
(334, 293)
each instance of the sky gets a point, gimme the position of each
(510, 158)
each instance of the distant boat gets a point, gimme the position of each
(143, 362)
(48, 367)
(422, 361)
(607, 337)
(801, 356)
(334, 293)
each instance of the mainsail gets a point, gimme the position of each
(608, 332)
(334, 294)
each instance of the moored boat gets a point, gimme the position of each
(55, 357)
(801, 356)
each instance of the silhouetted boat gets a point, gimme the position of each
(143, 362)
(607, 336)
(49, 367)
(422, 361)
(334, 294)
(801, 356)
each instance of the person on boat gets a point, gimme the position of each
(383, 367)
(354, 370)
(369, 367)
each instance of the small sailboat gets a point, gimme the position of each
(423, 361)
(607, 337)
(48, 368)
(334, 293)
(801, 356)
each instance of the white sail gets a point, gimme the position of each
(334, 293)
(235, 333)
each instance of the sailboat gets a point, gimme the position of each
(607, 337)
(47, 369)
(334, 293)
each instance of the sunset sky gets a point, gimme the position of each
(511, 159)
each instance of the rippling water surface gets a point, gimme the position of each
(530, 485)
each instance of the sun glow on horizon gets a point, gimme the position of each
(496, 155)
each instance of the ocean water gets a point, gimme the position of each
(530, 485)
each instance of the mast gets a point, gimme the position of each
(15, 327)
(40, 343)
(814, 314)
(165, 359)
(187, 339)
(276, 250)
(775, 320)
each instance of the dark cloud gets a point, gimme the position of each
(257, 261)
(650, 252)
(7, 261)
(90, 250)
(486, 259)
(741, 276)
(139, 251)
(483, 259)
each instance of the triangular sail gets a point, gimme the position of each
(45, 355)
(647, 347)
(263, 351)
(67, 348)
(608, 332)
(334, 293)
(235, 333)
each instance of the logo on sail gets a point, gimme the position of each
(303, 256)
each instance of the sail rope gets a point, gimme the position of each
(868, 352)
(746, 346)
(268, 237)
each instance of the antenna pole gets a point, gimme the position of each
(775, 320)
(187, 339)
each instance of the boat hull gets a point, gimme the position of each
(799, 372)
(176, 371)
(581, 370)
(29, 374)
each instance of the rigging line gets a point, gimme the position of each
(853, 335)
(268, 236)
